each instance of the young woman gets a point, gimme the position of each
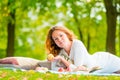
(72, 53)
(69, 53)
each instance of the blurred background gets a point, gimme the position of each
(24, 25)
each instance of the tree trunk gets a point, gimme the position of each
(11, 33)
(119, 35)
(111, 16)
(88, 42)
(77, 21)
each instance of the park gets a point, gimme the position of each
(24, 25)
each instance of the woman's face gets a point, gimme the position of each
(60, 38)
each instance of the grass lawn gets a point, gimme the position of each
(8, 74)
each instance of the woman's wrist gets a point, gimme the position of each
(62, 59)
(65, 61)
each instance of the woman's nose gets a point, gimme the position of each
(59, 39)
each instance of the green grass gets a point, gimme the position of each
(8, 74)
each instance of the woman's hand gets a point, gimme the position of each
(50, 57)
(58, 58)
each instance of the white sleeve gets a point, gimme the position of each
(80, 54)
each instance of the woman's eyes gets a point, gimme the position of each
(61, 35)
(58, 37)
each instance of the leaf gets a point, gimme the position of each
(4, 74)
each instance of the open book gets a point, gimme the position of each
(94, 69)
(89, 70)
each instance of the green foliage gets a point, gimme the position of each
(35, 17)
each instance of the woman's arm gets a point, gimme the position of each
(67, 64)
(70, 66)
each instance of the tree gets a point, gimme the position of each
(111, 15)
(11, 31)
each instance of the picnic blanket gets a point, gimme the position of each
(15, 68)
(86, 73)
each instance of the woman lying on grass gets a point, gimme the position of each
(70, 54)
(67, 49)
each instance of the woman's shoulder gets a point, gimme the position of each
(77, 42)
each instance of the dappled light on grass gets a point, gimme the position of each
(33, 75)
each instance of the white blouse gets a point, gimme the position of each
(80, 56)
